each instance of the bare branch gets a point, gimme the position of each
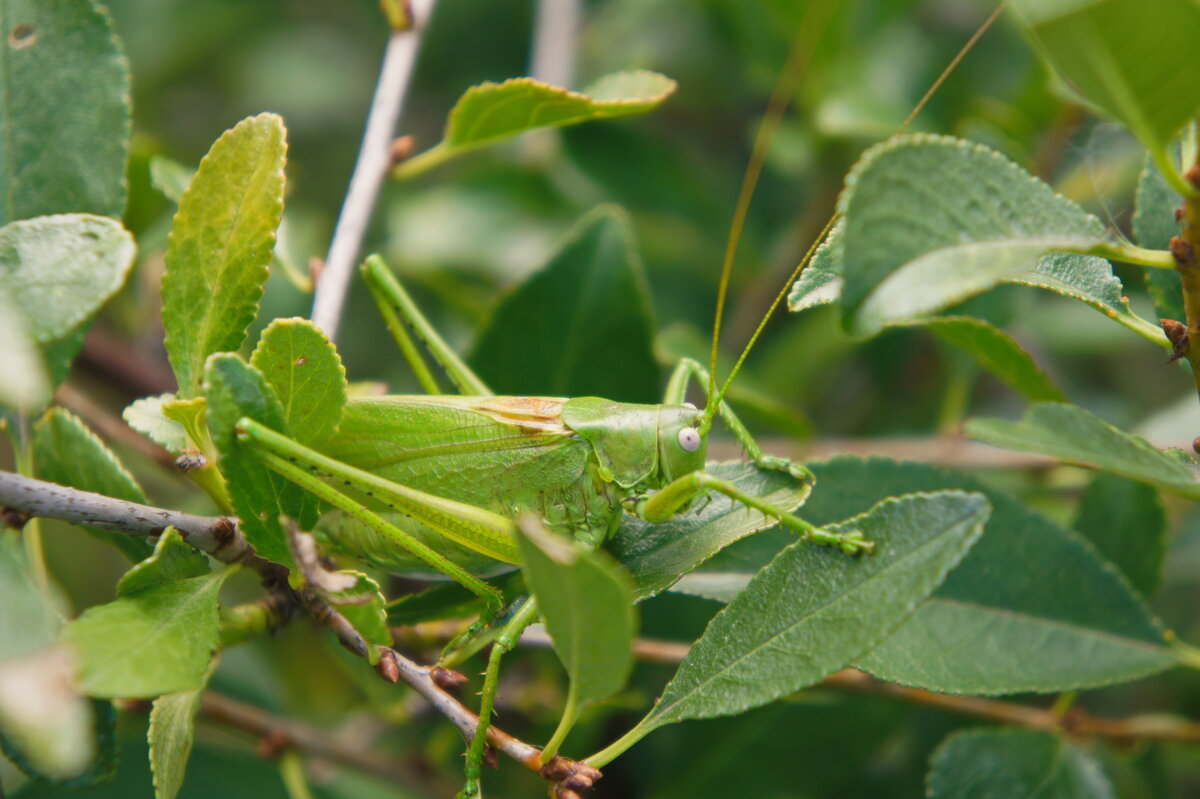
(554, 42)
(218, 709)
(374, 161)
(218, 536)
(1075, 722)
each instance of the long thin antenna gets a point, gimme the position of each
(941, 78)
(801, 48)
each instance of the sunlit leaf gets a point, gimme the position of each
(221, 241)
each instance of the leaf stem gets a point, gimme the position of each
(218, 709)
(374, 160)
(1129, 254)
(1170, 172)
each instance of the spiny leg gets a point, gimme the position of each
(688, 369)
(666, 502)
(484, 531)
(401, 314)
(526, 615)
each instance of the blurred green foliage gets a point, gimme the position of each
(464, 235)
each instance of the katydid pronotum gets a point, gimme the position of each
(466, 466)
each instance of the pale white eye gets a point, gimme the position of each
(689, 439)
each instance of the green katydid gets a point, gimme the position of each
(465, 466)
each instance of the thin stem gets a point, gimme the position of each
(374, 160)
(218, 709)
(295, 781)
(799, 53)
(553, 58)
(570, 713)
(1129, 254)
(1151, 727)
(1170, 172)
(787, 285)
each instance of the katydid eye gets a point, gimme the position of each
(689, 439)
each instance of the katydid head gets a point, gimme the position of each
(682, 447)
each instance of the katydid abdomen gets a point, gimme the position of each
(505, 454)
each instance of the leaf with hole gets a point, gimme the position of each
(302, 366)
(64, 88)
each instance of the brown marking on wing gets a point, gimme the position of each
(535, 414)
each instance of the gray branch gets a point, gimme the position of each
(374, 161)
(218, 536)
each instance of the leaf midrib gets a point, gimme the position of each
(815, 611)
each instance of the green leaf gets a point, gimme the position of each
(302, 365)
(1015, 764)
(656, 555)
(365, 607)
(587, 605)
(1136, 68)
(1071, 434)
(58, 270)
(64, 85)
(158, 636)
(1032, 607)
(821, 281)
(170, 177)
(171, 733)
(812, 609)
(997, 352)
(171, 561)
(821, 284)
(1127, 523)
(581, 326)
(221, 241)
(234, 390)
(31, 618)
(146, 416)
(491, 112)
(46, 725)
(907, 253)
(67, 453)
(1153, 227)
(24, 384)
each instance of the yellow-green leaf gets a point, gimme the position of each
(221, 241)
(491, 112)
